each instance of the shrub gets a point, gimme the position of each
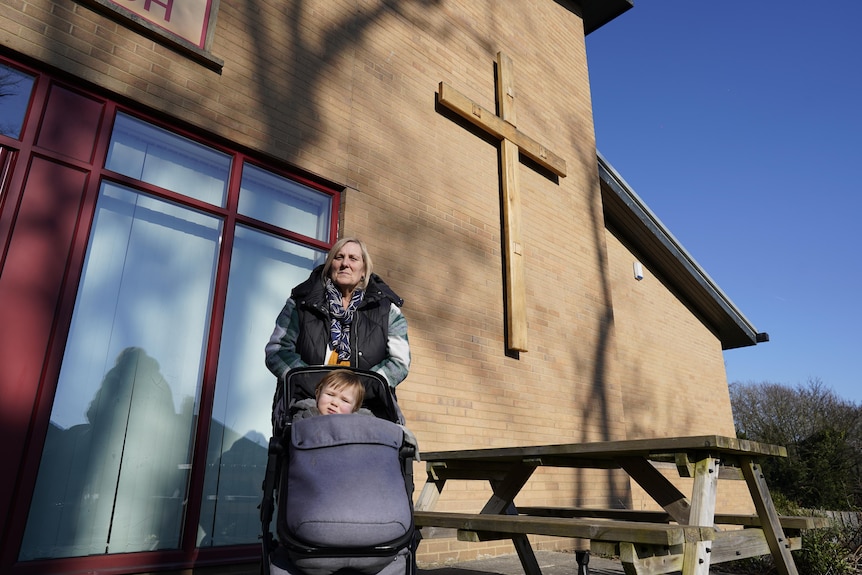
(833, 550)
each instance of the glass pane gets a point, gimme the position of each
(263, 269)
(114, 470)
(284, 203)
(15, 88)
(156, 156)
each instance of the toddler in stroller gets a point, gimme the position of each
(340, 486)
(339, 391)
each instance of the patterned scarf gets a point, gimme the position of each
(341, 319)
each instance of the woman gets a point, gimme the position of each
(342, 314)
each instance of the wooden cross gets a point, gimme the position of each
(512, 142)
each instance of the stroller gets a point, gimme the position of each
(341, 486)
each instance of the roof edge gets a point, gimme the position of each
(733, 328)
(597, 13)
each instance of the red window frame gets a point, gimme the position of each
(35, 400)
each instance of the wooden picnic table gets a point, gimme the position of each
(686, 536)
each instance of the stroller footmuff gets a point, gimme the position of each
(343, 485)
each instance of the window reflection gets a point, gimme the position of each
(115, 467)
(114, 470)
(147, 153)
(261, 265)
(284, 203)
(15, 89)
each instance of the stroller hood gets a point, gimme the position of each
(345, 429)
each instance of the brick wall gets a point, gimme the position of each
(671, 366)
(346, 91)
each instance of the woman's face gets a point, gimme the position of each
(348, 269)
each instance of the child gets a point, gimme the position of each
(340, 391)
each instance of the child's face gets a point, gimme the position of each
(336, 401)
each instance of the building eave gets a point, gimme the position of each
(633, 222)
(597, 13)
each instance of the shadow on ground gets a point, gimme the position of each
(551, 563)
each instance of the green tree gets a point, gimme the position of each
(822, 434)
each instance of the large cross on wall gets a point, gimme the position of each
(512, 143)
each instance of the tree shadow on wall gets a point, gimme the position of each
(297, 117)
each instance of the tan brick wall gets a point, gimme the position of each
(672, 365)
(346, 90)
(672, 369)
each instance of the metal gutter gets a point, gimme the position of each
(628, 217)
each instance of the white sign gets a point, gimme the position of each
(187, 19)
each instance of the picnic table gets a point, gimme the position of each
(687, 535)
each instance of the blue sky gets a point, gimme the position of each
(740, 125)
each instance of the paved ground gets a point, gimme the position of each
(551, 562)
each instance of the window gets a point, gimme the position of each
(117, 468)
(279, 201)
(262, 266)
(153, 155)
(15, 89)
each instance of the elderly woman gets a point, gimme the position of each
(342, 314)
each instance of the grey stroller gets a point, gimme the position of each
(341, 486)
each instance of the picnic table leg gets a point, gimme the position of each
(430, 492)
(583, 559)
(696, 554)
(507, 488)
(502, 502)
(775, 538)
(526, 555)
(658, 487)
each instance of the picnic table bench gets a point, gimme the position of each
(687, 536)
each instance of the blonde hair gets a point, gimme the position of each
(366, 259)
(342, 379)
